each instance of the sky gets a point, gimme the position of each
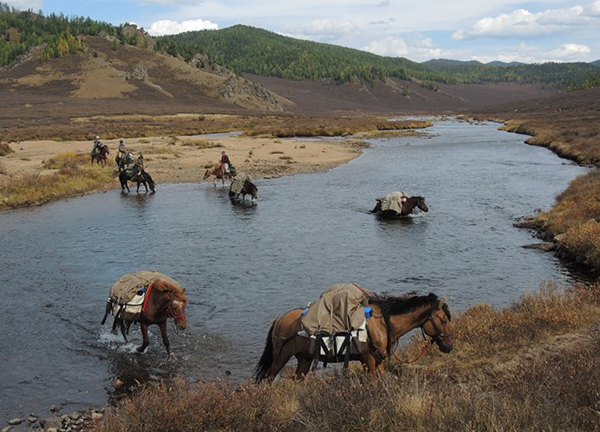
(483, 30)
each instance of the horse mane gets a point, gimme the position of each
(178, 293)
(400, 305)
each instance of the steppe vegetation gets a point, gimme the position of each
(530, 366)
(72, 175)
(570, 126)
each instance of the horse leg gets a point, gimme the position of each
(145, 340)
(303, 366)
(163, 333)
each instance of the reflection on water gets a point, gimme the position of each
(243, 264)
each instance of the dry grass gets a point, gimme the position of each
(73, 176)
(509, 371)
(5, 149)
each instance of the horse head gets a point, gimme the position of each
(421, 204)
(251, 189)
(206, 174)
(437, 326)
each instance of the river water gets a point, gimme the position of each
(243, 265)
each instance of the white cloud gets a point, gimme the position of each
(521, 22)
(34, 5)
(388, 46)
(170, 2)
(384, 3)
(594, 8)
(323, 29)
(168, 27)
(534, 54)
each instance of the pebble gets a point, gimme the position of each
(15, 421)
(6, 429)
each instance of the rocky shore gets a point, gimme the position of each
(73, 422)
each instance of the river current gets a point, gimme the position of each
(244, 265)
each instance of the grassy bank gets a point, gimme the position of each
(72, 175)
(531, 366)
(569, 125)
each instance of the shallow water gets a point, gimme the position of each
(243, 265)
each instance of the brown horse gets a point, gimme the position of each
(219, 172)
(392, 318)
(100, 155)
(407, 207)
(163, 300)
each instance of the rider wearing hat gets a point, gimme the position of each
(139, 165)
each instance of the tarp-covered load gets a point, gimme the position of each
(392, 201)
(338, 309)
(238, 182)
(337, 322)
(130, 290)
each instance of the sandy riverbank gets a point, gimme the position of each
(172, 159)
(184, 159)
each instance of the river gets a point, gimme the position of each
(243, 265)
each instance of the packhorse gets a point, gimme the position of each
(392, 317)
(142, 177)
(100, 154)
(407, 207)
(125, 161)
(248, 188)
(220, 174)
(163, 300)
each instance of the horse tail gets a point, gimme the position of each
(266, 360)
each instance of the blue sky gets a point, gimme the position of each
(508, 30)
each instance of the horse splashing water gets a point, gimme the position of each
(162, 298)
(392, 317)
(407, 207)
(218, 171)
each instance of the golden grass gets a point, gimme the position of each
(508, 372)
(5, 149)
(73, 177)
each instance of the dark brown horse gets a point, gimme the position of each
(219, 172)
(163, 300)
(248, 188)
(141, 178)
(392, 318)
(100, 155)
(407, 207)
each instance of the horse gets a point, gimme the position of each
(248, 188)
(141, 178)
(392, 318)
(123, 162)
(219, 172)
(100, 155)
(407, 207)
(163, 300)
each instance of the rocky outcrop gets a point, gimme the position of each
(243, 92)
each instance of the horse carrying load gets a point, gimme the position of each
(398, 204)
(336, 324)
(147, 297)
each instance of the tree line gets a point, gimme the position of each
(245, 49)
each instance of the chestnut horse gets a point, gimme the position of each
(407, 207)
(219, 172)
(392, 318)
(163, 300)
(100, 155)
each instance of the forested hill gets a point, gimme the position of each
(246, 49)
(261, 52)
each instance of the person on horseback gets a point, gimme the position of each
(225, 162)
(97, 145)
(139, 165)
(121, 150)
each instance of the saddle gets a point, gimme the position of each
(336, 325)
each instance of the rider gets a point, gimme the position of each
(225, 162)
(97, 145)
(139, 165)
(121, 149)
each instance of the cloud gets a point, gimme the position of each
(594, 8)
(168, 27)
(534, 54)
(324, 29)
(521, 22)
(384, 3)
(34, 5)
(170, 2)
(388, 46)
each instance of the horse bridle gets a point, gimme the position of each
(439, 335)
(172, 314)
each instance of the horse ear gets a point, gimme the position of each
(441, 304)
